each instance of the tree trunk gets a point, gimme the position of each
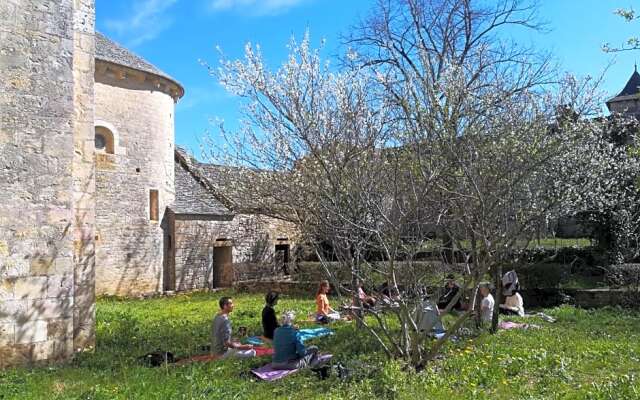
(498, 299)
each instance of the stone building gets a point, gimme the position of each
(47, 209)
(89, 173)
(218, 241)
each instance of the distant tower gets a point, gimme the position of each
(627, 101)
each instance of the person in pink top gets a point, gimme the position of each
(366, 300)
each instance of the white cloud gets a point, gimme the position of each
(255, 7)
(146, 19)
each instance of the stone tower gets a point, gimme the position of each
(134, 119)
(626, 102)
(47, 179)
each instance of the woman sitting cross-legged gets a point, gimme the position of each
(324, 312)
(288, 350)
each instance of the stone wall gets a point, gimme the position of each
(253, 237)
(129, 246)
(83, 171)
(628, 107)
(45, 110)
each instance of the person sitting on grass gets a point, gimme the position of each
(450, 291)
(221, 343)
(487, 303)
(513, 305)
(366, 300)
(269, 320)
(428, 317)
(324, 312)
(389, 295)
(288, 350)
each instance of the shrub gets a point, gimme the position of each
(623, 275)
(585, 261)
(543, 275)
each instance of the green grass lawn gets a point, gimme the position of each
(584, 355)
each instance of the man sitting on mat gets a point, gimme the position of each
(221, 342)
(289, 351)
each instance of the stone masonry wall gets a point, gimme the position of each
(253, 237)
(129, 246)
(83, 174)
(39, 130)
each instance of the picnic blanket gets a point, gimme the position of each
(267, 373)
(312, 333)
(515, 325)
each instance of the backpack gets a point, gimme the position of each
(157, 358)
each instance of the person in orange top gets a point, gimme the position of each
(324, 312)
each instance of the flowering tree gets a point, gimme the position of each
(434, 123)
(632, 43)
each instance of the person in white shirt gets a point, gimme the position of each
(487, 303)
(513, 305)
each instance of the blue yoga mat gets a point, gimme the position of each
(254, 340)
(306, 334)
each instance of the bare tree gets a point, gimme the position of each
(478, 110)
(434, 121)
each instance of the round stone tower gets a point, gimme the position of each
(134, 171)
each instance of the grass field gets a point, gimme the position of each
(584, 355)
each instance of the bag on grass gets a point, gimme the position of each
(157, 358)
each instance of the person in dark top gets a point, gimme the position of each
(269, 320)
(450, 291)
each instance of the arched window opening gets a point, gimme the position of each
(104, 140)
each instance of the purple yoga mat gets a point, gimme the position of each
(267, 373)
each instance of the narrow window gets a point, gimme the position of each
(153, 205)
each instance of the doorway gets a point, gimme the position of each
(222, 266)
(281, 258)
(168, 253)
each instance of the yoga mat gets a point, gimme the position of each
(254, 340)
(267, 373)
(263, 351)
(515, 325)
(306, 334)
(260, 352)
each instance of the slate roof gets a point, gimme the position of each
(214, 194)
(110, 51)
(217, 174)
(631, 89)
(194, 194)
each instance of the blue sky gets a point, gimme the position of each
(175, 34)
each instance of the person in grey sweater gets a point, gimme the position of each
(221, 342)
